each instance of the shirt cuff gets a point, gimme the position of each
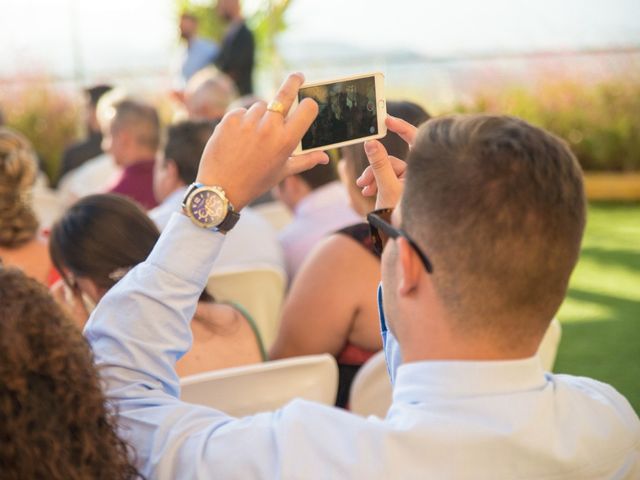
(185, 250)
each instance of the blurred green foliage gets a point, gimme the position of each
(49, 118)
(601, 121)
(265, 22)
(601, 315)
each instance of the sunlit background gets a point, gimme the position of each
(572, 66)
(424, 45)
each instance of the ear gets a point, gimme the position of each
(298, 185)
(172, 169)
(410, 267)
(126, 138)
(287, 183)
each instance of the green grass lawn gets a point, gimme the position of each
(601, 315)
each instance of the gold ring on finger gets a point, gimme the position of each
(276, 107)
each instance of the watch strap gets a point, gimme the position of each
(229, 221)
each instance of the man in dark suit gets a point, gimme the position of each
(238, 47)
(90, 147)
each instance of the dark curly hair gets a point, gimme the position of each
(54, 420)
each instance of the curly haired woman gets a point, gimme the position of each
(21, 245)
(54, 421)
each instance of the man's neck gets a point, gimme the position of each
(136, 160)
(442, 344)
(432, 336)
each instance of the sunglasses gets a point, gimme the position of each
(382, 230)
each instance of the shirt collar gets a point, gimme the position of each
(467, 378)
(175, 197)
(447, 378)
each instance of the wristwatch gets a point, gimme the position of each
(209, 207)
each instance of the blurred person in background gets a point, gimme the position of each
(245, 101)
(96, 174)
(132, 137)
(208, 94)
(177, 168)
(78, 153)
(56, 422)
(320, 206)
(236, 57)
(334, 293)
(21, 242)
(102, 237)
(198, 52)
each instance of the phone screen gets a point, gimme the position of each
(347, 112)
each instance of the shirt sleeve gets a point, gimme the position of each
(138, 332)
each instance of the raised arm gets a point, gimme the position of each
(141, 326)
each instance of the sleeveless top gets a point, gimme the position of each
(352, 357)
(254, 327)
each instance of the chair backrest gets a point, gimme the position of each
(371, 390)
(266, 386)
(276, 213)
(260, 292)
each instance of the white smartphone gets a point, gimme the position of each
(352, 110)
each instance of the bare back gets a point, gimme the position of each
(222, 337)
(32, 258)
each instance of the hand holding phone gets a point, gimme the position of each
(350, 110)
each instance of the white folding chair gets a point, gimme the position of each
(260, 292)
(266, 386)
(371, 390)
(276, 213)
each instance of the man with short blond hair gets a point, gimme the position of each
(132, 136)
(208, 94)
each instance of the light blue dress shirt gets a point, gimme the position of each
(448, 419)
(198, 54)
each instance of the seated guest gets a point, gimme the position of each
(320, 206)
(476, 258)
(132, 136)
(56, 423)
(78, 153)
(177, 168)
(103, 236)
(208, 94)
(97, 173)
(333, 294)
(21, 243)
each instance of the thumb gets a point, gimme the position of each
(380, 163)
(388, 184)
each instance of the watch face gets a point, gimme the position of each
(208, 208)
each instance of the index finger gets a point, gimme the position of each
(287, 93)
(404, 129)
